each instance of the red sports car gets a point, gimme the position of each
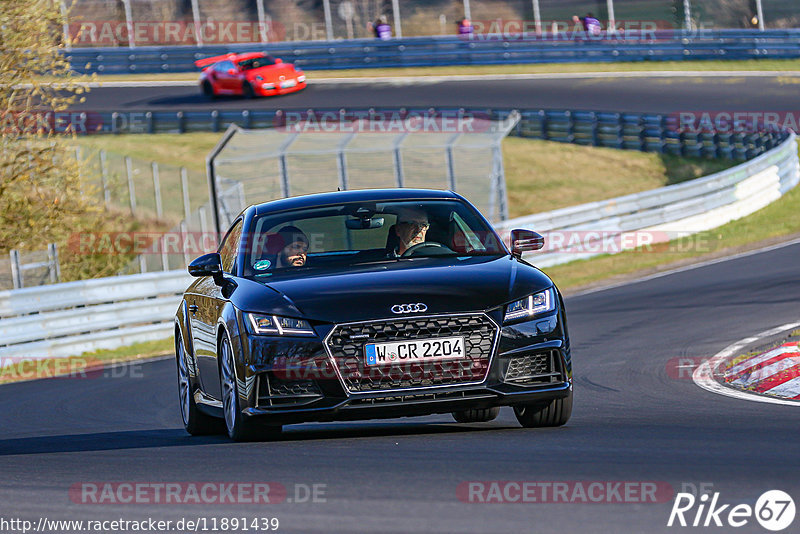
(251, 74)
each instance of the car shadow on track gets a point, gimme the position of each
(139, 439)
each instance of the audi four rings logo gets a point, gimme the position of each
(409, 308)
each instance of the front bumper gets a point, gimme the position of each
(259, 89)
(298, 380)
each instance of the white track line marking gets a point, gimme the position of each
(703, 375)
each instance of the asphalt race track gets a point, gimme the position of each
(631, 422)
(657, 95)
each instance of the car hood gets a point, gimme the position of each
(271, 73)
(444, 285)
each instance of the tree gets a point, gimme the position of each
(41, 192)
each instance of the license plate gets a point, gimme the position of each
(288, 83)
(413, 351)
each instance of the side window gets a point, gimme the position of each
(230, 247)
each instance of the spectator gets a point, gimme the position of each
(464, 27)
(591, 25)
(382, 29)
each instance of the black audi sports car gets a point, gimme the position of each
(369, 304)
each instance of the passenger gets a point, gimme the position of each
(295, 247)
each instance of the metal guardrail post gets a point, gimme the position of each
(157, 190)
(16, 271)
(52, 260)
(131, 187)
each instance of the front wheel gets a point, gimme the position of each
(248, 91)
(208, 90)
(555, 413)
(476, 415)
(239, 427)
(195, 422)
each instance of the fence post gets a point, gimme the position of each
(187, 209)
(52, 259)
(131, 188)
(164, 256)
(326, 6)
(16, 271)
(262, 21)
(157, 190)
(184, 231)
(104, 178)
(198, 32)
(398, 30)
(129, 23)
(398, 160)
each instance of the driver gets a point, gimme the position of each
(410, 229)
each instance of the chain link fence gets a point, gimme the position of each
(135, 23)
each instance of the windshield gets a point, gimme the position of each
(256, 62)
(342, 235)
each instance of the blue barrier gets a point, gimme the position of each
(479, 50)
(645, 132)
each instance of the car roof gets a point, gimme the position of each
(249, 55)
(359, 195)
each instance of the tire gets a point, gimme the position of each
(195, 422)
(483, 415)
(248, 91)
(239, 427)
(208, 90)
(555, 413)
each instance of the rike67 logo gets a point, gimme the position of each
(774, 510)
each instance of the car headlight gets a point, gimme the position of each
(531, 305)
(301, 78)
(268, 85)
(282, 326)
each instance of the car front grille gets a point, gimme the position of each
(539, 367)
(346, 346)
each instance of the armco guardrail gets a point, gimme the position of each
(666, 213)
(75, 317)
(647, 132)
(486, 49)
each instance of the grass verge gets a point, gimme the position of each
(534, 68)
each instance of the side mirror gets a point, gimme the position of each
(278, 60)
(524, 241)
(207, 265)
